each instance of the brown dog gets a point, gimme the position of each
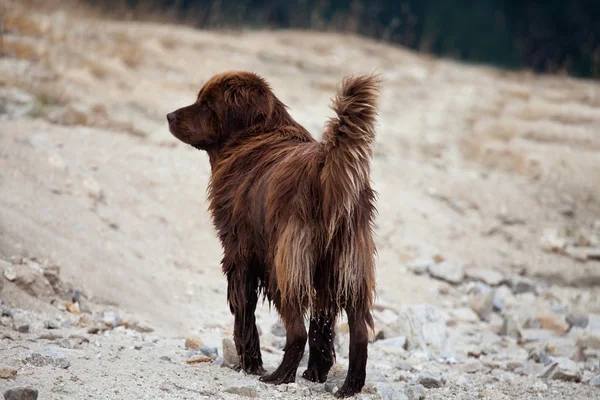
(294, 215)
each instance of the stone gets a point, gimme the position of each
(230, 357)
(463, 314)
(193, 343)
(10, 273)
(21, 394)
(243, 391)
(536, 335)
(52, 275)
(595, 381)
(211, 352)
(387, 391)
(421, 266)
(483, 304)
(563, 369)
(471, 366)
(577, 320)
(198, 360)
(448, 272)
(553, 322)
(415, 392)
(22, 328)
(488, 276)
(7, 372)
(50, 357)
(423, 325)
(110, 319)
(278, 329)
(51, 324)
(532, 368)
(431, 381)
(520, 284)
(394, 346)
(510, 327)
(330, 387)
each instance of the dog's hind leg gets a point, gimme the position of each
(358, 320)
(322, 351)
(294, 347)
(242, 294)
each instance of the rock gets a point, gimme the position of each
(218, 361)
(448, 272)
(595, 381)
(51, 324)
(52, 275)
(488, 276)
(536, 335)
(386, 316)
(211, 352)
(21, 394)
(48, 357)
(510, 327)
(73, 308)
(553, 322)
(520, 284)
(386, 391)
(471, 366)
(330, 387)
(7, 372)
(463, 314)
(431, 381)
(394, 345)
(110, 319)
(483, 304)
(142, 327)
(563, 369)
(552, 241)
(415, 392)
(198, 360)
(420, 266)
(193, 343)
(278, 329)
(577, 320)
(230, 357)
(93, 188)
(10, 273)
(532, 368)
(244, 391)
(423, 325)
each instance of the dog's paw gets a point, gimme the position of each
(346, 391)
(313, 375)
(277, 378)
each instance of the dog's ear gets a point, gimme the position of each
(248, 102)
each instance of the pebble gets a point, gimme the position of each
(48, 357)
(421, 265)
(278, 329)
(563, 369)
(471, 366)
(486, 275)
(193, 343)
(22, 328)
(578, 320)
(230, 357)
(211, 352)
(7, 372)
(51, 324)
(423, 325)
(553, 322)
(244, 391)
(510, 327)
(483, 304)
(431, 381)
(330, 387)
(10, 273)
(52, 275)
(595, 381)
(520, 284)
(415, 392)
(21, 394)
(448, 272)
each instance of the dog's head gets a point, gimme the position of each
(228, 105)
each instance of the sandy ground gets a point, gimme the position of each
(481, 168)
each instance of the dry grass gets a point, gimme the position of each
(21, 49)
(23, 25)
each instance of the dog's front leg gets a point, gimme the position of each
(242, 295)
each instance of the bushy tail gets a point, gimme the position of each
(349, 140)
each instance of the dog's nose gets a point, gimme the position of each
(171, 117)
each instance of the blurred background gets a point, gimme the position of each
(487, 168)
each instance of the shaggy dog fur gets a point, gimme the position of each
(294, 216)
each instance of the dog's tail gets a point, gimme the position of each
(349, 139)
